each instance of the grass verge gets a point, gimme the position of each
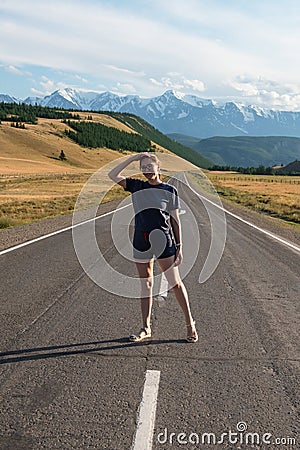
(30, 199)
(275, 196)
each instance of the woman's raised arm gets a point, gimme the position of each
(114, 174)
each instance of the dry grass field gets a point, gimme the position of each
(35, 149)
(278, 196)
(30, 198)
(35, 184)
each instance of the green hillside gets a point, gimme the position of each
(245, 151)
(184, 139)
(290, 169)
(149, 132)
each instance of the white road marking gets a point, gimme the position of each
(16, 247)
(143, 437)
(274, 236)
(23, 244)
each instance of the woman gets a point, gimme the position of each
(163, 217)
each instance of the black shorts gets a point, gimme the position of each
(142, 244)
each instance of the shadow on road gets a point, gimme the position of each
(25, 354)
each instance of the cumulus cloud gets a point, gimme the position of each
(196, 85)
(48, 86)
(156, 82)
(167, 83)
(266, 92)
(178, 81)
(125, 88)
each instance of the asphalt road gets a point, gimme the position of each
(69, 378)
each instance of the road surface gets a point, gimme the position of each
(69, 378)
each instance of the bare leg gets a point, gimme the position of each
(173, 277)
(145, 270)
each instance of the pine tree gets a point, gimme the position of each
(62, 156)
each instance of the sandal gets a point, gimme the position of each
(192, 335)
(144, 333)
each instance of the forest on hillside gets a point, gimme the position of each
(147, 130)
(15, 112)
(91, 134)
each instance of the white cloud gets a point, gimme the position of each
(16, 71)
(148, 49)
(37, 92)
(196, 85)
(48, 86)
(156, 82)
(78, 77)
(268, 93)
(171, 84)
(167, 83)
(136, 45)
(124, 70)
(178, 81)
(125, 88)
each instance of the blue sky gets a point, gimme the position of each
(238, 50)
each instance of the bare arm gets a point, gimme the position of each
(114, 174)
(176, 227)
(175, 223)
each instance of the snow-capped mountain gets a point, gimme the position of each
(174, 112)
(8, 99)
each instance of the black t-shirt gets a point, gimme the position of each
(152, 204)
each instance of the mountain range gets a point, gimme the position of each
(174, 112)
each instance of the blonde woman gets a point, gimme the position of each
(164, 217)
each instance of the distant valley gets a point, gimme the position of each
(244, 151)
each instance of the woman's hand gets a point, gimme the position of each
(178, 257)
(114, 174)
(139, 155)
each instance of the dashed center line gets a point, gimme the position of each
(143, 437)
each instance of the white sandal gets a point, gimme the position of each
(144, 333)
(192, 336)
